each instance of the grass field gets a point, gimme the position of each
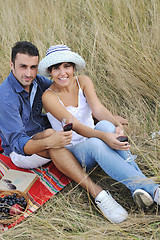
(120, 41)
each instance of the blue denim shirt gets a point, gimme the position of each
(19, 120)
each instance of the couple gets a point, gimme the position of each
(31, 140)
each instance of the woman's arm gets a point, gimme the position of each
(99, 111)
(51, 104)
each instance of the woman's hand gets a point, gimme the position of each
(122, 123)
(119, 130)
(111, 140)
(121, 120)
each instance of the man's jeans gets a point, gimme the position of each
(94, 150)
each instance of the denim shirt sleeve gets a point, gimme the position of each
(12, 126)
(19, 121)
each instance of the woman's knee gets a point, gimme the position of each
(95, 143)
(105, 126)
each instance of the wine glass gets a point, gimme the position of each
(67, 123)
(130, 156)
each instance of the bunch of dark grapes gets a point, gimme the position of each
(11, 205)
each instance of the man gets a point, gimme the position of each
(26, 134)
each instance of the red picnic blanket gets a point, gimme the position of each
(50, 182)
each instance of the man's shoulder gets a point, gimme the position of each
(41, 78)
(43, 81)
(5, 88)
(8, 94)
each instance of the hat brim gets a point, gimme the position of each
(59, 57)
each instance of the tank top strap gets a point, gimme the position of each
(78, 82)
(56, 95)
(80, 90)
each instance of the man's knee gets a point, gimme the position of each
(44, 134)
(59, 153)
(48, 132)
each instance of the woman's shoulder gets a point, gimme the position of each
(49, 92)
(49, 97)
(84, 80)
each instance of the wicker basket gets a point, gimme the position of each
(14, 217)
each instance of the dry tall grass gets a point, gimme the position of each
(119, 40)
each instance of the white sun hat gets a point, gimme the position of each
(59, 54)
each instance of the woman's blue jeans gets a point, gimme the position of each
(94, 150)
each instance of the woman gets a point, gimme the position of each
(75, 96)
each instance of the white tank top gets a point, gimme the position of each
(83, 113)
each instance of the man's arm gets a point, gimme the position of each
(14, 131)
(46, 140)
(12, 127)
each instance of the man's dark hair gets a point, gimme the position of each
(25, 48)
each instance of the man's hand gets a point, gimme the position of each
(48, 139)
(59, 139)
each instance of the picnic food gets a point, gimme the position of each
(12, 205)
(16, 209)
